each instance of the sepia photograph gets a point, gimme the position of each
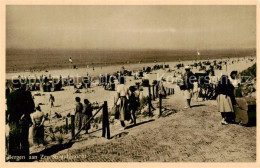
(130, 83)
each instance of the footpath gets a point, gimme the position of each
(180, 135)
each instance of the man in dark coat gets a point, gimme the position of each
(20, 105)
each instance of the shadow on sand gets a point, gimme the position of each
(199, 105)
(141, 123)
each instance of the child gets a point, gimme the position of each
(52, 100)
(133, 103)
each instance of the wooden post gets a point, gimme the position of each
(149, 99)
(50, 117)
(153, 94)
(166, 92)
(66, 125)
(105, 122)
(72, 125)
(160, 104)
(157, 91)
(226, 67)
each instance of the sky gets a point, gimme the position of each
(131, 27)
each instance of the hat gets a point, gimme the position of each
(132, 88)
(187, 67)
(86, 101)
(38, 107)
(233, 72)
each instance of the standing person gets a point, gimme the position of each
(52, 100)
(225, 99)
(235, 82)
(20, 105)
(78, 113)
(86, 114)
(161, 89)
(188, 79)
(134, 103)
(7, 89)
(38, 119)
(122, 95)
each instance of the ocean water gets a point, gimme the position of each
(20, 60)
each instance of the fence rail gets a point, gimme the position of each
(105, 123)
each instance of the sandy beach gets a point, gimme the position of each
(65, 99)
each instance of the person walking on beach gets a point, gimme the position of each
(225, 99)
(20, 105)
(78, 113)
(134, 103)
(38, 119)
(188, 79)
(52, 100)
(235, 82)
(122, 95)
(86, 114)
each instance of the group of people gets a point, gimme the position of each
(21, 114)
(225, 93)
(83, 112)
(127, 103)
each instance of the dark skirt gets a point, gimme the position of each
(85, 118)
(78, 120)
(123, 110)
(38, 134)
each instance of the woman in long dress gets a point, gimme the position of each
(86, 114)
(122, 96)
(38, 119)
(225, 99)
(78, 113)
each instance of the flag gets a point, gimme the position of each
(70, 60)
